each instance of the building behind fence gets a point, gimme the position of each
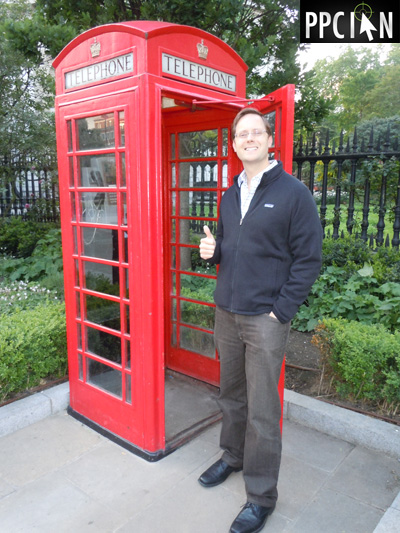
(356, 185)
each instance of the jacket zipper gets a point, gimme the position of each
(237, 243)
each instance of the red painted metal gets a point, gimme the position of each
(111, 86)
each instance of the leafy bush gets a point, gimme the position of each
(46, 260)
(345, 251)
(346, 290)
(18, 237)
(358, 297)
(32, 346)
(363, 360)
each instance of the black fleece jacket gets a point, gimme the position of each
(270, 259)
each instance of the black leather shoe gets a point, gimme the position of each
(251, 518)
(216, 474)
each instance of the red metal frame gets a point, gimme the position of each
(136, 417)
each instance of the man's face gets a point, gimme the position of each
(252, 148)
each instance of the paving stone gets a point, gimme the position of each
(370, 477)
(43, 447)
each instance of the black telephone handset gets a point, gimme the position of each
(95, 180)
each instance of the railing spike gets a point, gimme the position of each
(355, 141)
(341, 141)
(326, 150)
(371, 241)
(313, 145)
(386, 144)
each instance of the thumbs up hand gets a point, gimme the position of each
(207, 244)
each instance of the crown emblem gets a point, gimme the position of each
(95, 48)
(202, 49)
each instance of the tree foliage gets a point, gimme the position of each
(360, 86)
(263, 32)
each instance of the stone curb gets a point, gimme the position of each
(22, 413)
(343, 424)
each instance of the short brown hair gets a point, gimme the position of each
(248, 111)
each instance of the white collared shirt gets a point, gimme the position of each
(246, 194)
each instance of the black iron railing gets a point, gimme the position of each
(360, 179)
(28, 188)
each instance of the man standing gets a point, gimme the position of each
(268, 245)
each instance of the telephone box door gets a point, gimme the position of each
(199, 165)
(101, 273)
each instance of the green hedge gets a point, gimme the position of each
(363, 360)
(32, 347)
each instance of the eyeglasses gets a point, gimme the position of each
(253, 133)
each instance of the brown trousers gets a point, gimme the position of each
(251, 350)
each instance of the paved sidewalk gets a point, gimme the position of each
(57, 475)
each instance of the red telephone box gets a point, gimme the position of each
(143, 114)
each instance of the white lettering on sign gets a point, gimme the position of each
(99, 71)
(182, 68)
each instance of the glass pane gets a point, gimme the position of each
(73, 207)
(198, 204)
(197, 315)
(173, 203)
(127, 319)
(98, 207)
(104, 377)
(104, 345)
(79, 336)
(121, 118)
(69, 134)
(173, 146)
(78, 305)
(128, 391)
(103, 312)
(101, 278)
(197, 341)
(75, 238)
(95, 132)
(198, 144)
(77, 276)
(198, 174)
(125, 258)
(197, 288)
(173, 287)
(97, 170)
(128, 354)
(225, 142)
(80, 365)
(173, 257)
(100, 242)
(71, 171)
(173, 309)
(191, 261)
(188, 257)
(271, 117)
(123, 170)
(173, 175)
(173, 230)
(124, 220)
(224, 174)
(125, 274)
